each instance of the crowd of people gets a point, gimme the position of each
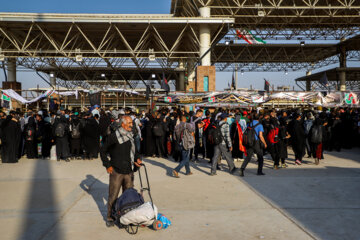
(184, 136)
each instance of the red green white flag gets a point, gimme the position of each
(249, 37)
(5, 97)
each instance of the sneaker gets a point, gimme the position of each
(284, 165)
(297, 162)
(67, 160)
(317, 161)
(110, 223)
(213, 174)
(241, 172)
(188, 174)
(260, 174)
(175, 174)
(276, 167)
(233, 171)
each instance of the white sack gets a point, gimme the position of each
(143, 215)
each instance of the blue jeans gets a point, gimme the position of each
(185, 157)
(137, 142)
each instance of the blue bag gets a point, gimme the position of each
(165, 221)
(129, 200)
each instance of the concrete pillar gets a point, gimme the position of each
(342, 78)
(342, 74)
(180, 86)
(180, 83)
(53, 79)
(308, 85)
(205, 38)
(191, 70)
(11, 69)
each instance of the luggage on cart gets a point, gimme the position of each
(130, 211)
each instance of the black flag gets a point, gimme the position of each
(324, 80)
(94, 98)
(266, 85)
(164, 84)
(233, 85)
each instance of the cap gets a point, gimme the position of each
(224, 115)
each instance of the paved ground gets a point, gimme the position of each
(49, 200)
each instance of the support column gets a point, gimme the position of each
(205, 38)
(180, 83)
(53, 79)
(342, 74)
(342, 78)
(11, 69)
(11, 76)
(308, 85)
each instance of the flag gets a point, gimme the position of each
(5, 97)
(240, 134)
(249, 37)
(94, 98)
(168, 99)
(164, 84)
(211, 99)
(324, 80)
(266, 85)
(233, 81)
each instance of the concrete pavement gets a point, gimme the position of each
(49, 200)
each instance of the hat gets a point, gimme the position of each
(245, 113)
(122, 112)
(224, 115)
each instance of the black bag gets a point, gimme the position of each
(249, 139)
(60, 130)
(316, 134)
(158, 130)
(129, 200)
(214, 135)
(75, 133)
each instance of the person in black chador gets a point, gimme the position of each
(91, 138)
(149, 138)
(30, 139)
(298, 138)
(10, 138)
(61, 133)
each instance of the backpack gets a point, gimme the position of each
(308, 124)
(249, 139)
(158, 130)
(129, 200)
(75, 133)
(60, 130)
(316, 134)
(215, 136)
(273, 135)
(187, 139)
(134, 129)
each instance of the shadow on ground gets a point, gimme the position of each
(98, 191)
(41, 211)
(323, 200)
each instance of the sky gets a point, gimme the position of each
(31, 79)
